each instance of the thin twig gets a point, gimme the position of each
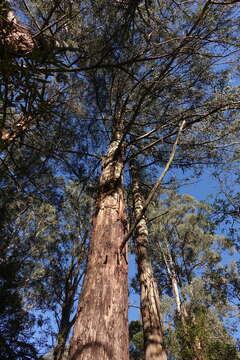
(225, 3)
(134, 306)
(50, 25)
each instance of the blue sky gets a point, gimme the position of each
(203, 189)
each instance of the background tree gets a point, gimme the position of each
(190, 254)
(16, 322)
(154, 347)
(140, 81)
(136, 351)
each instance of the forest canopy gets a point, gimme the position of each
(109, 113)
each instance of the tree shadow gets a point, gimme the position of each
(93, 347)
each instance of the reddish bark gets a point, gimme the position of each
(15, 38)
(101, 328)
(8, 136)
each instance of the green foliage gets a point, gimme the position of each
(186, 249)
(136, 350)
(202, 334)
(150, 65)
(15, 321)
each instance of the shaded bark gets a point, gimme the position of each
(101, 328)
(14, 38)
(154, 348)
(71, 285)
(17, 40)
(8, 136)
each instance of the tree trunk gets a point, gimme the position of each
(66, 311)
(59, 349)
(150, 301)
(182, 312)
(101, 328)
(173, 277)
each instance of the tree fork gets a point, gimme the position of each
(101, 328)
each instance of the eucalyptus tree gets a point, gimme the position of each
(149, 69)
(52, 233)
(40, 187)
(129, 103)
(127, 100)
(150, 300)
(187, 253)
(57, 258)
(226, 215)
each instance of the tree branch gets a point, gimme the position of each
(225, 3)
(154, 189)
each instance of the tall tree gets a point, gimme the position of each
(142, 80)
(149, 294)
(190, 255)
(99, 330)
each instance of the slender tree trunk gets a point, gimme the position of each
(150, 301)
(182, 312)
(65, 323)
(59, 349)
(101, 328)
(173, 277)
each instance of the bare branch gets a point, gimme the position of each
(50, 25)
(225, 3)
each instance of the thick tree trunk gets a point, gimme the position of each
(101, 328)
(150, 301)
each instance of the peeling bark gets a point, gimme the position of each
(7, 136)
(150, 301)
(15, 38)
(101, 328)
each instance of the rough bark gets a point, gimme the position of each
(154, 348)
(14, 38)
(17, 40)
(101, 328)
